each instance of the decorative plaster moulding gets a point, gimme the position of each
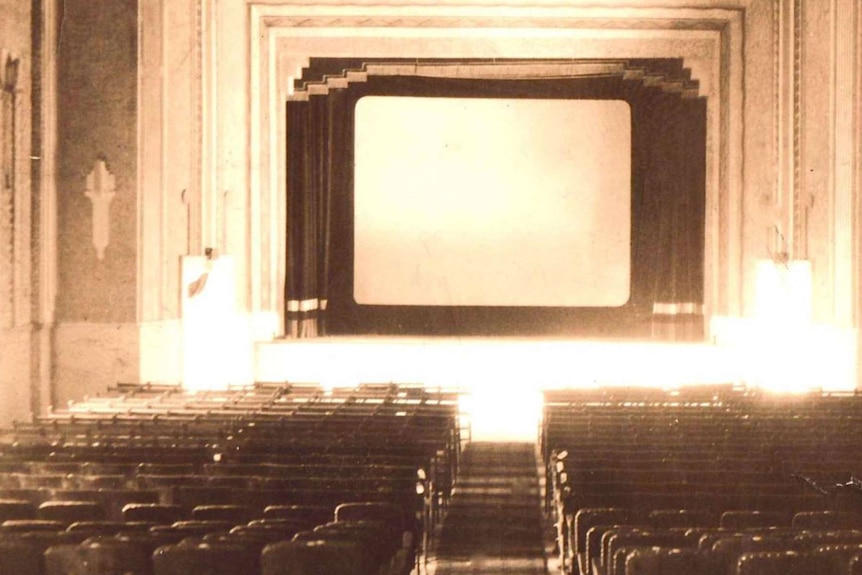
(101, 190)
(542, 69)
(509, 17)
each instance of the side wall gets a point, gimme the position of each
(96, 122)
(129, 96)
(802, 191)
(19, 365)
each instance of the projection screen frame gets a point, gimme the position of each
(433, 226)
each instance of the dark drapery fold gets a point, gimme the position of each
(672, 180)
(667, 217)
(315, 152)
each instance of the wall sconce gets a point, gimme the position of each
(776, 245)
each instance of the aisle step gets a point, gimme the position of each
(494, 522)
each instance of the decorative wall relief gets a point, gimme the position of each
(101, 190)
(802, 200)
(789, 195)
(8, 83)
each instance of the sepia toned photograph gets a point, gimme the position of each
(402, 287)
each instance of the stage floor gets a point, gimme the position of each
(469, 362)
(501, 378)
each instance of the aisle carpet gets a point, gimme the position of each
(494, 523)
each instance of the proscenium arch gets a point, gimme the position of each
(283, 38)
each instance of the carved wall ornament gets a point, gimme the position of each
(101, 190)
(802, 200)
(789, 192)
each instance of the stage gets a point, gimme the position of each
(535, 363)
(502, 379)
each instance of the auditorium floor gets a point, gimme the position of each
(494, 524)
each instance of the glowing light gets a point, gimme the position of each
(783, 293)
(216, 352)
(502, 379)
(780, 349)
(503, 411)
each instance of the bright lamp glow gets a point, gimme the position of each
(502, 379)
(781, 349)
(783, 293)
(216, 351)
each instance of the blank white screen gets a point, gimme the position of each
(492, 202)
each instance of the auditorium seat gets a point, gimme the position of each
(86, 482)
(827, 520)
(811, 538)
(31, 525)
(93, 528)
(268, 530)
(16, 509)
(374, 543)
(111, 501)
(784, 563)
(668, 561)
(840, 555)
(374, 511)
(385, 538)
(745, 519)
(615, 539)
(594, 540)
(620, 559)
(97, 556)
(586, 519)
(312, 556)
(728, 550)
(194, 528)
(20, 557)
(194, 556)
(311, 515)
(163, 513)
(669, 518)
(44, 481)
(150, 540)
(68, 512)
(706, 538)
(236, 514)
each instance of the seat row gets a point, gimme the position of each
(710, 451)
(156, 466)
(616, 541)
(373, 536)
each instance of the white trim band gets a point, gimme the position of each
(683, 308)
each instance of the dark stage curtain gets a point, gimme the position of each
(318, 144)
(671, 170)
(668, 203)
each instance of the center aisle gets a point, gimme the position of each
(494, 520)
